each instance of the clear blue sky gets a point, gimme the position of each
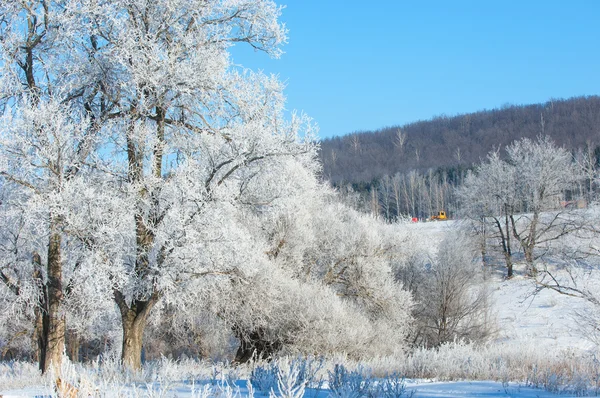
(362, 65)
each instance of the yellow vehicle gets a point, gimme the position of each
(440, 216)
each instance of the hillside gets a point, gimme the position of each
(458, 140)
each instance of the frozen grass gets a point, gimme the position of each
(17, 374)
(559, 371)
(507, 364)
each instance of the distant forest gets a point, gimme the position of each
(457, 141)
(412, 170)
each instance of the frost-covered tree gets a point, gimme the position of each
(49, 134)
(178, 136)
(544, 172)
(191, 135)
(40, 146)
(454, 300)
(489, 198)
(520, 196)
(326, 243)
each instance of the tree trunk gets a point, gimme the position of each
(35, 339)
(508, 250)
(134, 318)
(509, 265)
(42, 340)
(73, 346)
(530, 244)
(41, 314)
(54, 330)
(528, 251)
(134, 315)
(505, 243)
(529, 259)
(133, 333)
(484, 243)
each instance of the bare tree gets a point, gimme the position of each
(587, 164)
(400, 140)
(355, 142)
(452, 297)
(375, 203)
(457, 155)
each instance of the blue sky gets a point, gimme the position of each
(356, 65)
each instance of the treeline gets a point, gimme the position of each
(421, 194)
(457, 141)
(406, 194)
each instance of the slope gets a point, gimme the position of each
(458, 141)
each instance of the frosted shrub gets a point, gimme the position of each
(345, 384)
(293, 373)
(576, 376)
(361, 383)
(556, 371)
(264, 377)
(290, 383)
(331, 269)
(580, 385)
(553, 382)
(309, 370)
(595, 374)
(278, 315)
(392, 386)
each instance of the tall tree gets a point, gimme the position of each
(47, 134)
(191, 133)
(161, 120)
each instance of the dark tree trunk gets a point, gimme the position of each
(509, 265)
(508, 250)
(134, 315)
(54, 321)
(41, 314)
(484, 243)
(505, 243)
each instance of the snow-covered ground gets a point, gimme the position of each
(474, 389)
(544, 321)
(414, 388)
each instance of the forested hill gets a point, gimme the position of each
(457, 140)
